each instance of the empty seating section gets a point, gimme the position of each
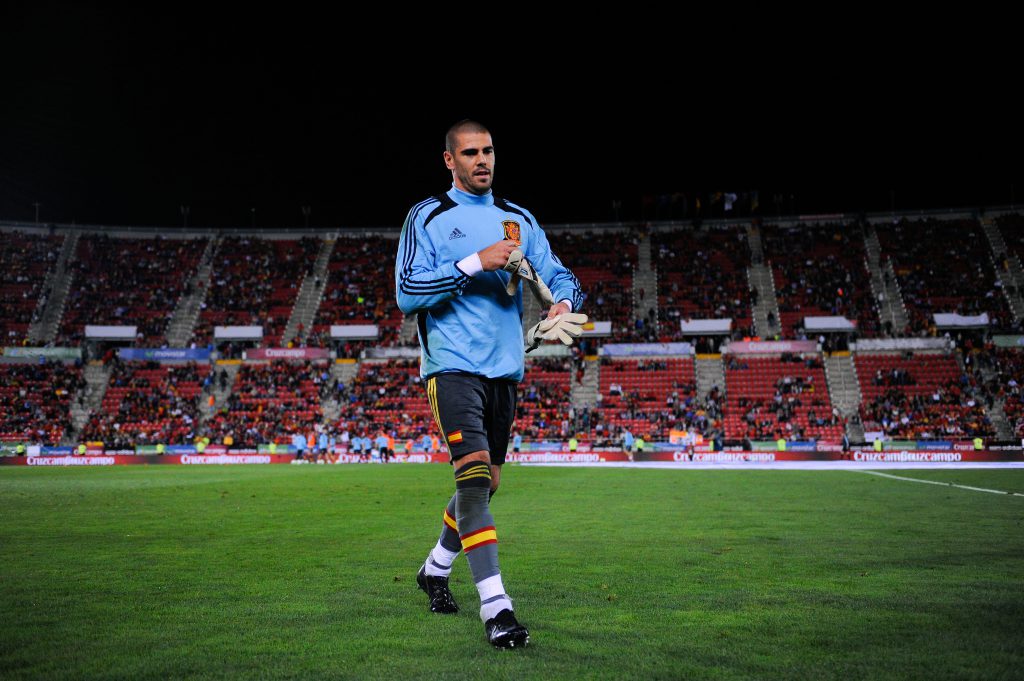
(24, 262)
(779, 396)
(702, 274)
(643, 395)
(128, 282)
(360, 289)
(271, 402)
(603, 263)
(944, 266)
(254, 283)
(148, 403)
(919, 396)
(543, 399)
(35, 401)
(820, 271)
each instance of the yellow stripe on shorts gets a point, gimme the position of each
(432, 399)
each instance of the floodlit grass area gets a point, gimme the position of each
(309, 572)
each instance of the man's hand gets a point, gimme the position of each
(560, 308)
(564, 327)
(520, 268)
(496, 255)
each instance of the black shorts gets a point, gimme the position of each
(474, 413)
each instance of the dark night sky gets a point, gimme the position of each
(119, 119)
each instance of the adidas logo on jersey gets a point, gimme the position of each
(456, 234)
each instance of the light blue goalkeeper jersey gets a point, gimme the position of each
(470, 323)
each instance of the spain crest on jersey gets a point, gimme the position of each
(512, 231)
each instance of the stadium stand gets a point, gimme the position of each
(386, 396)
(543, 399)
(35, 401)
(919, 396)
(944, 266)
(650, 397)
(1010, 368)
(389, 397)
(24, 262)
(820, 270)
(128, 282)
(271, 402)
(941, 265)
(702, 274)
(779, 397)
(148, 403)
(604, 264)
(254, 283)
(1011, 227)
(999, 375)
(360, 268)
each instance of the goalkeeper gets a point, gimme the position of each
(464, 259)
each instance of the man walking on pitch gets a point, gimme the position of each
(460, 259)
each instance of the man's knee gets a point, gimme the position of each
(483, 455)
(471, 463)
(473, 471)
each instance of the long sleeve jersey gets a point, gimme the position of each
(467, 321)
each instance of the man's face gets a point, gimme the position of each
(472, 164)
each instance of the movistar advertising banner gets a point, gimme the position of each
(166, 354)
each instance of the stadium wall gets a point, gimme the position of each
(251, 456)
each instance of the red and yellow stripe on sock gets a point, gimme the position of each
(450, 521)
(478, 538)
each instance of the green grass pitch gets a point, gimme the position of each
(309, 572)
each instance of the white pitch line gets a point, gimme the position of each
(944, 484)
(784, 465)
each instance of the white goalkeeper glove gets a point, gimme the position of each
(520, 268)
(565, 327)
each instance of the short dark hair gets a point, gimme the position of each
(465, 125)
